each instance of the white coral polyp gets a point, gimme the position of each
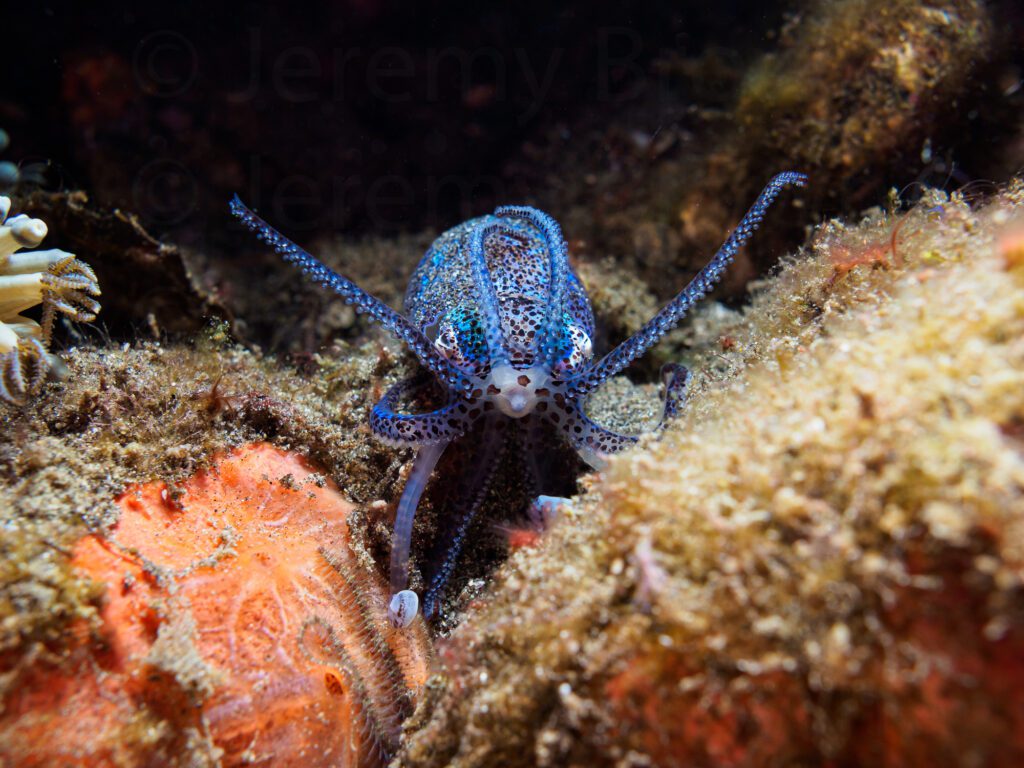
(53, 278)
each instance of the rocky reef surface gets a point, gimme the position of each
(240, 625)
(821, 560)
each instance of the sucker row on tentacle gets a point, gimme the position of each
(496, 312)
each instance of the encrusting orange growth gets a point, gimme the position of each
(238, 626)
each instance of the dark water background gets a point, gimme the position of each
(378, 116)
(357, 115)
(370, 114)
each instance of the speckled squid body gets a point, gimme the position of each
(495, 311)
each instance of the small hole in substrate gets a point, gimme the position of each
(333, 684)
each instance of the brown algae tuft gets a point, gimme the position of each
(853, 91)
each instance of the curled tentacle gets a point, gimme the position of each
(443, 425)
(404, 602)
(393, 321)
(593, 442)
(670, 315)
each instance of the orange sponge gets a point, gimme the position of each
(238, 625)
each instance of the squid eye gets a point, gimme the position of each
(576, 349)
(447, 343)
(458, 336)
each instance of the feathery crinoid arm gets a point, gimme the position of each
(392, 320)
(699, 287)
(69, 288)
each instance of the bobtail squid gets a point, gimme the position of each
(496, 313)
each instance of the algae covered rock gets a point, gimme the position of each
(855, 92)
(150, 411)
(821, 560)
(240, 625)
(854, 81)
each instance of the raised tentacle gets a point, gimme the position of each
(487, 296)
(670, 315)
(404, 602)
(471, 497)
(558, 253)
(361, 301)
(443, 425)
(592, 441)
